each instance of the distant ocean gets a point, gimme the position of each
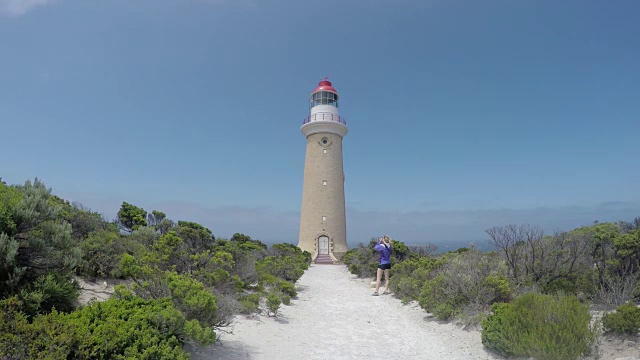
(444, 246)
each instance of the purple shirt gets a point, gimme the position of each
(385, 253)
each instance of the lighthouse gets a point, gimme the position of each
(323, 225)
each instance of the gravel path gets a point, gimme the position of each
(335, 317)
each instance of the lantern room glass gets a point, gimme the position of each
(324, 98)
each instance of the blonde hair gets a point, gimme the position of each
(386, 239)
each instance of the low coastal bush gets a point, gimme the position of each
(540, 326)
(286, 262)
(273, 304)
(287, 288)
(286, 299)
(281, 267)
(625, 320)
(445, 311)
(125, 326)
(250, 303)
(48, 292)
(248, 307)
(464, 281)
(361, 260)
(432, 294)
(409, 276)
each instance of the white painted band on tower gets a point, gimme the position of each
(323, 228)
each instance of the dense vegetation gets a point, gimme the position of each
(183, 284)
(559, 275)
(552, 327)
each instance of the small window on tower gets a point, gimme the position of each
(324, 151)
(324, 219)
(324, 182)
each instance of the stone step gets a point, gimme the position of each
(324, 260)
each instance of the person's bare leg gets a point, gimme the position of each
(386, 281)
(378, 280)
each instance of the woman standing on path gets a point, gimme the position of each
(384, 265)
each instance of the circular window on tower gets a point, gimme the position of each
(324, 141)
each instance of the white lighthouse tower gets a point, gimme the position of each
(323, 228)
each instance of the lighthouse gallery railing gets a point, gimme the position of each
(324, 117)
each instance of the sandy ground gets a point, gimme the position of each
(96, 290)
(618, 348)
(335, 317)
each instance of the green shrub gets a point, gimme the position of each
(287, 288)
(248, 307)
(289, 268)
(465, 280)
(273, 304)
(192, 299)
(101, 253)
(625, 320)
(48, 292)
(254, 297)
(49, 336)
(214, 268)
(400, 250)
(307, 257)
(294, 252)
(560, 287)
(273, 267)
(540, 326)
(431, 294)
(444, 311)
(406, 287)
(409, 276)
(250, 303)
(123, 327)
(498, 286)
(473, 279)
(434, 300)
(492, 334)
(238, 284)
(9, 197)
(43, 243)
(585, 284)
(268, 279)
(361, 260)
(286, 299)
(353, 268)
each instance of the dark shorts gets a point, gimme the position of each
(384, 266)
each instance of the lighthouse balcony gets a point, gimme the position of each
(324, 117)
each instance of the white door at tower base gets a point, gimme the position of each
(323, 245)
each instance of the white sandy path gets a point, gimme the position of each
(335, 317)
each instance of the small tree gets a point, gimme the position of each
(131, 217)
(195, 236)
(159, 221)
(38, 243)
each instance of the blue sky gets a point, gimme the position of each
(462, 114)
